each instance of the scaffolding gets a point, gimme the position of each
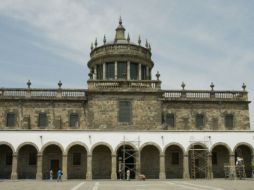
(199, 156)
(126, 154)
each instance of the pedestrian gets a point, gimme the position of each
(128, 173)
(51, 174)
(59, 175)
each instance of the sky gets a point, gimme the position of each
(196, 42)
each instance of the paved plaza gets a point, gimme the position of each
(128, 185)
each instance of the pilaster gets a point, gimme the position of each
(186, 173)
(39, 167)
(128, 71)
(104, 71)
(89, 167)
(162, 167)
(113, 167)
(14, 174)
(64, 166)
(115, 69)
(139, 71)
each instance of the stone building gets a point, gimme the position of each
(124, 120)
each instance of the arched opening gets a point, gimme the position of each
(126, 160)
(101, 162)
(27, 161)
(220, 158)
(245, 153)
(174, 162)
(150, 162)
(5, 161)
(52, 160)
(198, 161)
(77, 161)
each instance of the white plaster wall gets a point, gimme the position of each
(113, 139)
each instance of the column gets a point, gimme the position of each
(138, 171)
(104, 71)
(95, 73)
(89, 167)
(113, 167)
(14, 166)
(116, 70)
(162, 167)
(139, 71)
(64, 166)
(128, 70)
(186, 173)
(210, 167)
(39, 167)
(232, 164)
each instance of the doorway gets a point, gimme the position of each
(54, 165)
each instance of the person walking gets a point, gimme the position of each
(59, 175)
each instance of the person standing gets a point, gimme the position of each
(51, 174)
(128, 173)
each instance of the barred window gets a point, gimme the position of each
(43, 120)
(121, 70)
(170, 119)
(175, 158)
(99, 71)
(229, 121)
(74, 120)
(134, 71)
(10, 119)
(200, 123)
(32, 158)
(124, 111)
(76, 159)
(110, 68)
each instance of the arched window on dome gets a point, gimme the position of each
(121, 70)
(134, 71)
(110, 70)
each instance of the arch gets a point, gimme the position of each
(222, 144)
(126, 160)
(245, 144)
(9, 145)
(174, 154)
(220, 153)
(152, 144)
(244, 151)
(150, 160)
(6, 155)
(74, 144)
(27, 160)
(52, 158)
(52, 143)
(104, 144)
(174, 144)
(101, 161)
(27, 143)
(76, 160)
(196, 144)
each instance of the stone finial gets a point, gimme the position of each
(120, 20)
(244, 86)
(149, 47)
(212, 86)
(60, 84)
(28, 84)
(139, 40)
(120, 31)
(128, 38)
(158, 75)
(95, 43)
(146, 44)
(92, 46)
(183, 85)
(104, 40)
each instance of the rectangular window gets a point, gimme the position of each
(121, 70)
(214, 158)
(11, 119)
(8, 159)
(110, 70)
(32, 159)
(175, 158)
(200, 124)
(74, 120)
(76, 159)
(99, 72)
(134, 71)
(124, 111)
(229, 121)
(42, 120)
(143, 72)
(170, 119)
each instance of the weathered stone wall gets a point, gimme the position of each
(27, 113)
(103, 110)
(214, 114)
